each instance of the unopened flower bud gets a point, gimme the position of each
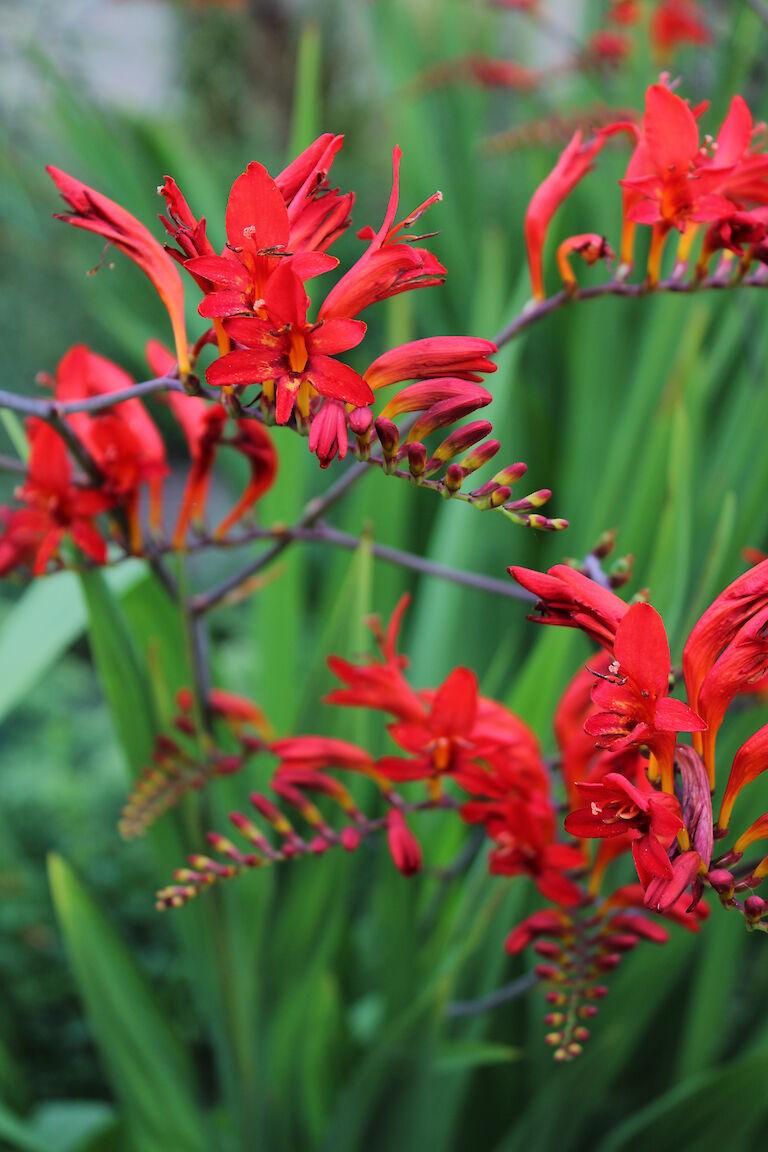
(454, 478)
(389, 438)
(548, 949)
(350, 839)
(417, 459)
(722, 881)
(755, 907)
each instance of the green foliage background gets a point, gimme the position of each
(307, 1009)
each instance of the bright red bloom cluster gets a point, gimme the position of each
(278, 234)
(124, 454)
(671, 831)
(675, 180)
(466, 753)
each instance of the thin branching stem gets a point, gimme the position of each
(538, 310)
(509, 992)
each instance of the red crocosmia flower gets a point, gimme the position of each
(443, 739)
(328, 432)
(572, 166)
(617, 808)
(750, 761)
(379, 684)
(55, 508)
(677, 22)
(714, 631)
(682, 187)
(186, 229)
(291, 354)
(125, 444)
(525, 846)
(462, 357)
(742, 665)
(581, 760)
(258, 233)
(568, 598)
(96, 213)
(403, 845)
(390, 264)
(635, 706)
(742, 601)
(317, 214)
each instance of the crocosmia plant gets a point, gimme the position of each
(364, 786)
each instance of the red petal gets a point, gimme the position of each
(454, 708)
(339, 381)
(670, 129)
(256, 215)
(674, 716)
(642, 649)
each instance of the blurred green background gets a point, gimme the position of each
(307, 1009)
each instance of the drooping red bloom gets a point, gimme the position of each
(125, 443)
(297, 356)
(203, 425)
(676, 22)
(258, 235)
(55, 508)
(96, 213)
(572, 166)
(391, 264)
(567, 597)
(403, 845)
(750, 761)
(635, 706)
(617, 808)
(526, 846)
(442, 741)
(743, 599)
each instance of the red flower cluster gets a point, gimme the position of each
(674, 180)
(671, 831)
(278, 234)
(125, 454)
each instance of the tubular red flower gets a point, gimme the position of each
(296, 355)
(635, 708)
(572, 600)
(125, 444)
(55, 508)
(96, 213)
(572, 166)
(390, 265)
(750, 761)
